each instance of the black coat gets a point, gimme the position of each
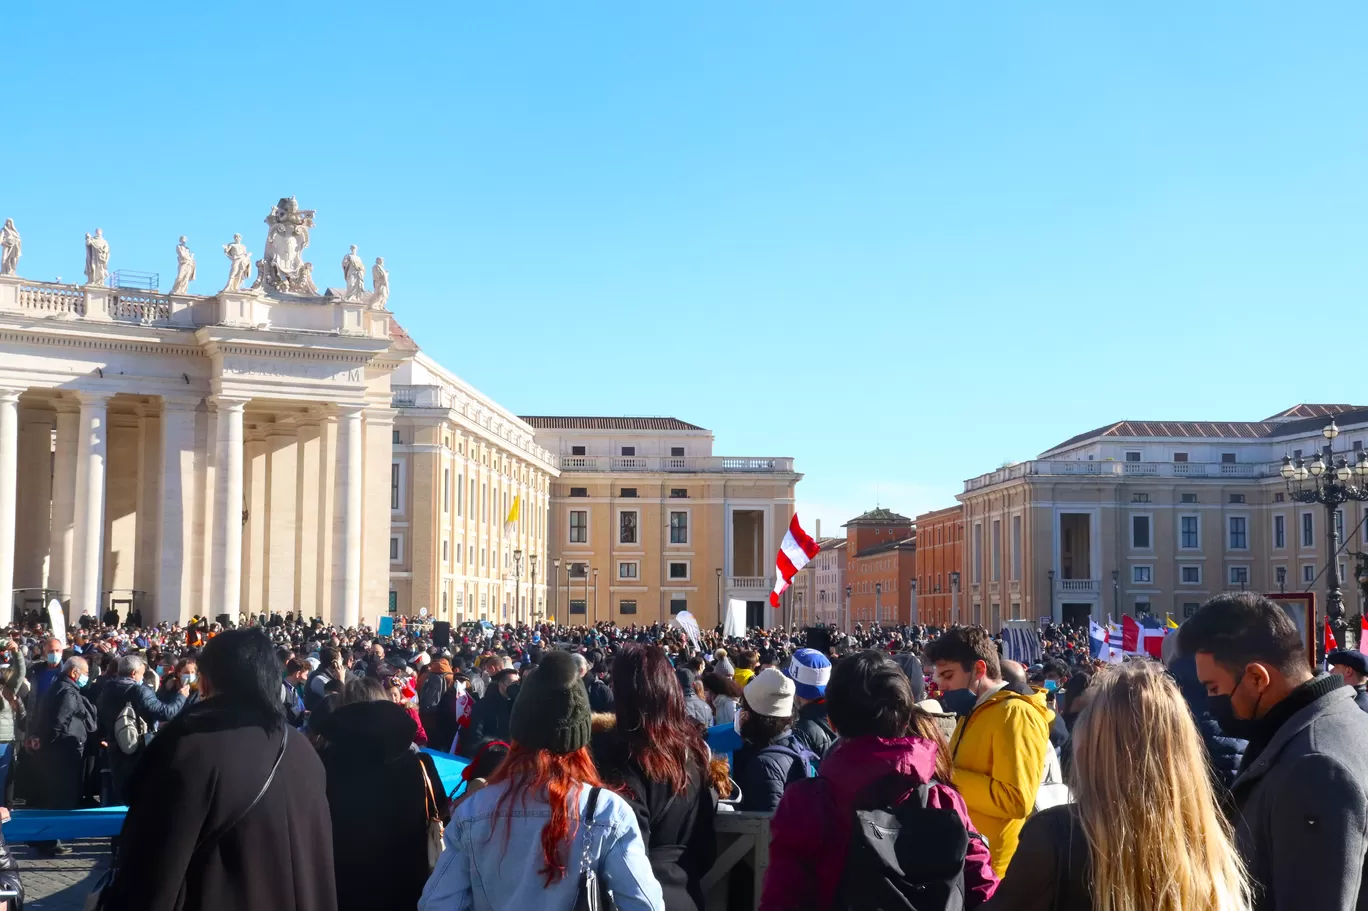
(762, 773)
(813, 728)
(199, 774)
(1226, 753)
(377, 784)
(1050, 869)
(66, 719)
(678, 829)
(488, 721)
(600, 694)
(150, 707)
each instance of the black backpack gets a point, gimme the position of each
(908, 857)
(431, 692)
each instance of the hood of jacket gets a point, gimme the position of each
(374, 728)
(1035, 697)
(855, 763)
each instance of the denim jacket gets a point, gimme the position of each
(493, 857)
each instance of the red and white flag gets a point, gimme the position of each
(1330, 643)
(798, 548)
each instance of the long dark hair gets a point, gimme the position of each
(649, 703)
(241, 668)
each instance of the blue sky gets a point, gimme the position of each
(902, 242)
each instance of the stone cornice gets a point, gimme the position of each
(103, 343)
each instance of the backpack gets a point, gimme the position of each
(908, 857)
(805, 761)
(129, 730)
(431, 692)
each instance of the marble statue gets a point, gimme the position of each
(380, 280)
(355, 273)
(97, 258)
(185, 268)
(282, 267)
(9, 248)
(241, 263)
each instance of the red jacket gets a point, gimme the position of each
(810, 831)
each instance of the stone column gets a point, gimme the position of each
(33, 508)
(150, 478)
(176, 531)
(307, 510)
(281, 476)
(226, 594)
(63, 538)
(347, 522)
(9, 491)
(87, 563)
(375, 581)
(258, 506)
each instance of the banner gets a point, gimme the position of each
(57, 620)
(734, 623)
(687, 622)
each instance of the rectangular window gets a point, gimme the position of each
(394, 437)
(1237, 498)
(460, 551)
(978, 554)
(1016, 610)
(579, 491)
(446, 490)
(1227, 458)
(1188, 498)
(460, 495)
(1191, 575)
(446, 549)
(627, 527)
(1239, 575)
(1180, 457)
(626, 607)
(1308, 573)
(679, 570)
(679, 528)
(1140, 498)
(678, 604)
(628, 451)
(578, 571)
(627, 570)
(1140, 532)
(1188, 535)
(677, 452)
(579, 526)
(1239, 533)
(394, 485)
(1142, 575)
(1133, 455)
(996, 566)
(577, 608)
(394, 549)
(1280, 532)
(577, 450)
(484, 603)
(679, 493)
(1190, 608)
(1278, 498)
(1016, 548)
(629, 491)
(1308, 537)
(484, 502)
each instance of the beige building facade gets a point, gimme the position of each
(646, 522)
(1156, 517)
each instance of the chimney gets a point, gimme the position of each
(819, 529)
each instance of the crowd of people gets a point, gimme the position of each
(278, 764)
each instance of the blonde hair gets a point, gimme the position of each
(1157, 840)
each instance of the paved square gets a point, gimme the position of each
(61, 883)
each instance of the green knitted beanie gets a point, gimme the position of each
(552, 710)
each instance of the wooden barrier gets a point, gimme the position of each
(740, 836)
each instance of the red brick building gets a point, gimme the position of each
(940, 552)
(881, 551)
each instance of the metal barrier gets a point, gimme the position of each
(740, 836)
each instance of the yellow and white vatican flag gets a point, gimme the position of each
(511, 523)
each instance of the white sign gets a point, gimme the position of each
(735, 622)
(422, 612)
(57, 619)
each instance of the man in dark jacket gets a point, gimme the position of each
(1351, 664)
(1302, 789)
(1225, 752)
(490, 717)
(811, 670)
(150, 707)
(65, 720)
(230, 767)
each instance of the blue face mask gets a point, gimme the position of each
(958, 702)
(1051, 685)
(54, 657)
(82, 680)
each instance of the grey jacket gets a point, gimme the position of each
(16, 682)
(1303, 809)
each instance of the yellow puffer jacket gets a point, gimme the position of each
(999, 757)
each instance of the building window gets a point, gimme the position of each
(578, 570)
(484, 603)
(679, 528)
(629, 491)
(1016, 610)
(444, 602)
(1140, 498)
(627, 527)
(1133, 455)
(1227, 458)
(628, 451)
(1279, 532)
(460, 494)
(1308, 538)
(579, 526)
(627, 570)
(1191, 575)
(995, 572)
(460, 550)
(1140, 532)
(679, 493)
(1190, 608)
(978, 554)
(394, 485)
(1239, 575)
(626, 607)
(1188, 498)
(484, 502)
(577, 608)
(676, 452)
(1142, 575)
(394, 437)
(1239, 533)
(1188, 536)
(1016, 548)
(1237, 498)
(1180, 457)
(1308, 573)
(579, 491)
(445, 550)
(678, 604)
(1278, 498)
(679, 570)
(446, 490)
(394, 549)
(577, 450)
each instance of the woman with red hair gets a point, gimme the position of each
(544, 818)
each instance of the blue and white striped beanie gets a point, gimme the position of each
(810, 670)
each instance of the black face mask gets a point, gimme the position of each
(958, 702)
(1222, 711)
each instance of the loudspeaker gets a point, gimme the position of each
(441, 633)
(819, 637)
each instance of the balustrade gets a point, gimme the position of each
(52, 299)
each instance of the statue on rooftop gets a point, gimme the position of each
(185, 268)
(282, 267)
(380, 281)
(9, 248)
(355, 273)
(241, 262)
(97, 258)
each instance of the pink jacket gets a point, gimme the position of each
(810, 831)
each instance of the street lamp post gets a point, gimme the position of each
(536, 602)
(719, 594)
(555, 587)
(912, 605)
(1116, 591)
(954, 598)
(1331, 481)
(847, 610)
(517, 583)
(1049, 575)
(610, 606)
(878, 601)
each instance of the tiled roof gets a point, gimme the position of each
(879, 516)
(900, 544)
(1292, 422)
(831, 543)
(399, 336)
(1312, 411)
(552, 422)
